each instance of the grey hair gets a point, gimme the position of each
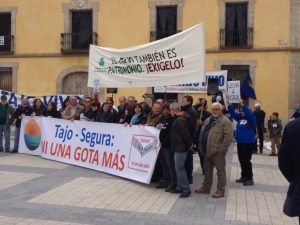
(175, 105)
(217, 104)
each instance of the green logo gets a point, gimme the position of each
(101, 62)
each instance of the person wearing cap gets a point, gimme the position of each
(260, 125)
(6, 114)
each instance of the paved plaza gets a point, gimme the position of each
(42, 192)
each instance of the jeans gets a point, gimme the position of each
(189, 165)
(17, 137)
(5, 129)
(182, 180)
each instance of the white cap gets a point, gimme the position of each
(218, 98)
(256, 105)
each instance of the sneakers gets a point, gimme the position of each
(241, 180)
(185, 194)
(201, 191)
(218, 194)
(248, 182)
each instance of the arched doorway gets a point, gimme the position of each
(75, 84)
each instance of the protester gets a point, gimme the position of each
(6, 119)
(65, 103)
(38, 107)
(23, 110)
(289, 165)
(138, 117)
(111, 101)
(113, 109)
(105, 114)
(245, 138)
(87, 113)
(215, 137)
(202, 115)
(131, 101)
(154, 115)
(166, 155)
(73, 110)
(153, 120)
(121, 108)
(129, 111)
(181, 142)
(187, 107)
(275, 128)
(260, 125)
(296, 113)
(52, 110)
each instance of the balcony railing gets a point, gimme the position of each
(156, 35)
(77, 42)
(236, 38)
(7, 44)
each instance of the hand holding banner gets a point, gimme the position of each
(234, 91)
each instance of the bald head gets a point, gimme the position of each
(216, 109)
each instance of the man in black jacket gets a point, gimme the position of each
(181, 142)
(166, 158)
(289, 165)
(187, 107)
(23, 110)
(260, 121)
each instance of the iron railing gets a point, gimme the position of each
(236, 38)
(77, 42)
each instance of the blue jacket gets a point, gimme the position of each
(246, 125)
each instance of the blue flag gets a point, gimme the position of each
(247, 88)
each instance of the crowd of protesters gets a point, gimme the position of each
(185, 128)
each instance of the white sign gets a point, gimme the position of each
(200, 87)
(2, 42)
(14, 99)
(234, 91)
(129, 152)
(177, 59)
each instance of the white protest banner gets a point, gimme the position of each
(200, 87)
(129, 152)
(234, 91)
(14, 99)
(177, 59)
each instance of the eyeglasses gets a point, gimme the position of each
(87, 101)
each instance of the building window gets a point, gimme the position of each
(6, 78)
(81, 26)
(166, 22)
(165, 18)
(7, 30)
(76, 84)
(236, 23)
